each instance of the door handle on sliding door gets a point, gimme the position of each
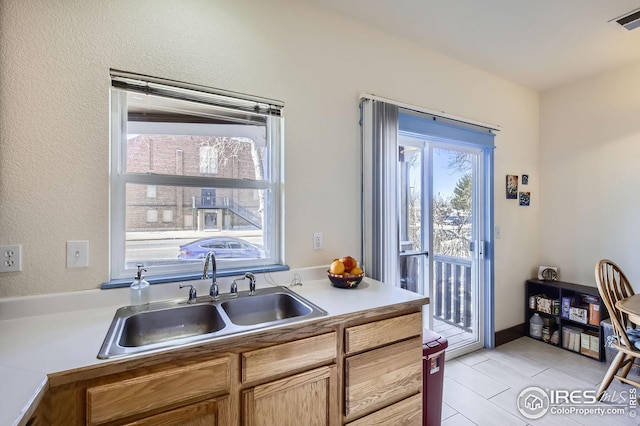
(472, 248)
(414, 253)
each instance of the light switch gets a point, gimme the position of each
(77, 254)
(317, 240)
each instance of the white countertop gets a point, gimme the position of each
(47, 334)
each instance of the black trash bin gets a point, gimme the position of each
(433, 349)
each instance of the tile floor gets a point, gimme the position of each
(482, 388)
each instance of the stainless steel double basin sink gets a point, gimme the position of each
(174, 322)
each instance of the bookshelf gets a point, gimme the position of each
(587, 306)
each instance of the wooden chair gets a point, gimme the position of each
(613, 285)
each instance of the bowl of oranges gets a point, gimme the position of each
(345, 273)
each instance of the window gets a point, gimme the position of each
(193, 170)
(208, 160)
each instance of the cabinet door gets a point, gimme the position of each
(383, 376)
(206, 413)
(307, 398)
(155, 391)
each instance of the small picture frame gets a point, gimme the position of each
(525, 198)
(525, 179)
(512, 187)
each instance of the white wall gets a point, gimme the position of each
(54, 120)
(589, 163)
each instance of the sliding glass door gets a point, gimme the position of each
(441, 208)
(457, 246)
(427, 214)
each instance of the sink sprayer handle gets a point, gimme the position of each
(193, 296)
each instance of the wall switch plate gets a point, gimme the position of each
(77, 254)
(317, 240)
(11, 258)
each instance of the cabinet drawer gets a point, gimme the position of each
(156, 390)
(288, 357)
(203, 413)
(382, 376)
(407, 412)
(383, 332)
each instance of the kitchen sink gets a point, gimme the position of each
(264, 308)
(175, 322)
(151, 327)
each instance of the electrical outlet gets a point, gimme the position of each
(77, 254)
(317, 240)
(11, 258)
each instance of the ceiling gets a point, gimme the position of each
(539, 44)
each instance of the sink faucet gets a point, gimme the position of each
(252, 283)
(193, 296)
(213, 290)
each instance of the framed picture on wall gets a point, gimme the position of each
(512, 186)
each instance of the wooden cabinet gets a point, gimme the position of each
(557, 320)
(388, 371)
(307, 398)
(150, 395)
(288, 357)
(359, 369)
(378, 333)
(37, 418)
(407, 412)
(60, 406)
(208, 413)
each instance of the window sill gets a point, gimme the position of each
(168, 278)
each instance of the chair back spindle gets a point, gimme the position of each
(613, 286)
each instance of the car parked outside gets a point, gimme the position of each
(222, 247)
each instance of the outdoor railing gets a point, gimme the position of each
(452, 295)
(248, 214)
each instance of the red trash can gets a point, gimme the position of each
(433, 348)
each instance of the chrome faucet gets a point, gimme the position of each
(193, 296)
(213, 290)
(252, 283)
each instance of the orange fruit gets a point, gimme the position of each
(336, 267)
(349, 262)
(355, 271)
